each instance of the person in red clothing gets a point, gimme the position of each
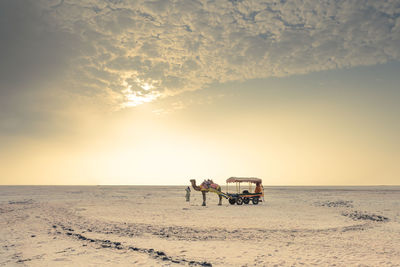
(258, 188)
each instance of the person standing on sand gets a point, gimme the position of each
(187, 194)
(258, 188)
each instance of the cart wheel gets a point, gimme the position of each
(232, 201)
(255, 200)
(239, 201)
(246, 200)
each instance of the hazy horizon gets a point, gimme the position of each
(184, 185)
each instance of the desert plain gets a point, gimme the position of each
(155, 226)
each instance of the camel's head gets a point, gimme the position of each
(195, 187)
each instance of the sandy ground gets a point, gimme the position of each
(154, 226)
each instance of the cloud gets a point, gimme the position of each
(123, 47)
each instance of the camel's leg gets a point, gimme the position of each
(204, 198)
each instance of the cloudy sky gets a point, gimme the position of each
(158, 92)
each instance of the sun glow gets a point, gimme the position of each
(132, 98)
(147, 87)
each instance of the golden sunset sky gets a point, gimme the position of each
(159, 92)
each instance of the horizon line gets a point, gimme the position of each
(369, 185)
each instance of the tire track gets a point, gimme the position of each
(108, 244)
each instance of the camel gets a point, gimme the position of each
(204, 191)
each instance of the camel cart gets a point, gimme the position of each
(248, 194)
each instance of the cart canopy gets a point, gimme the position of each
(243, 180)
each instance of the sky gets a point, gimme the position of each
(159, 92)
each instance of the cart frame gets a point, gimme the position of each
(244, 197)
